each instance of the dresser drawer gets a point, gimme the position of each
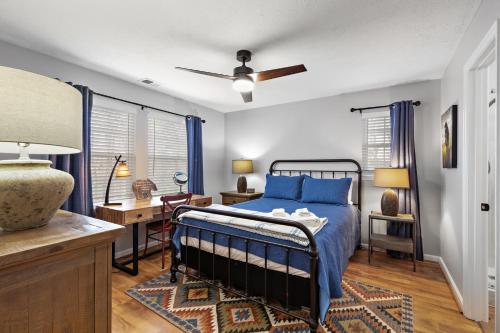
(227, 200)
(205, 202)
(138, 215)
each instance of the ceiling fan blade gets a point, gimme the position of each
(279, 72)
(247, 96)
(222, 76)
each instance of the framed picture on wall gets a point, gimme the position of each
(449, 136)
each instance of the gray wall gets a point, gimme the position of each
(452, 93)
(324, 128)
(213, 130)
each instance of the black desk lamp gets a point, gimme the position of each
(122, 171)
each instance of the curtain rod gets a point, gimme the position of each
(143, 106)
(416, 103)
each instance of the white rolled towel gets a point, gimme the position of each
(280, 212)
(304, 212)
(304, 216)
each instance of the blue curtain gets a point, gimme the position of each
(403, 156)
(78, 165)
(195, 154)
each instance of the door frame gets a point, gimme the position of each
(474, 233)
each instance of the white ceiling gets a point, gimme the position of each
(346, 45)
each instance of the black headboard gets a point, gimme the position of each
(346, 168)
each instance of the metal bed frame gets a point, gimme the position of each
(311, 249)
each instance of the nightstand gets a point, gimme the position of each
(233, 197)
(402, 244)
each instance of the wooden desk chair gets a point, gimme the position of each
(163, 227)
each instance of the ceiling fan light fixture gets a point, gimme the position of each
(243, 84)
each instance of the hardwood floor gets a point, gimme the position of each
(435, 309)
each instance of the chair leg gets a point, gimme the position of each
(163, 247)
(146, 243)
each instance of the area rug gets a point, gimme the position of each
(197, 307)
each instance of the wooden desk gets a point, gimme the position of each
(57, 278)
(133, 212)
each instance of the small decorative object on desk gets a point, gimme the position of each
(241, 167)
(180, 178)
(142, 188)
(250, 190)
(391, 178)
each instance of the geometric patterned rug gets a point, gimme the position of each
(197, 307)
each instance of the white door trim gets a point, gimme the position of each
(475, 289)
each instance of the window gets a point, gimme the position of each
(376, 141)
(167, 149)
(112, 134)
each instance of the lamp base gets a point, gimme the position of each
(31, 192)
(389, 203)
(112, 204)
(242, 184)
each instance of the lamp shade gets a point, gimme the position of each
(122, 170)
(391, 177)
(41, 111)
(242, 166)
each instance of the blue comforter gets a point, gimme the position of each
(336, 242)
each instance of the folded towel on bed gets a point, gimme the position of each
(303, 212)
(280, 212)
(264, 228)
(305, 217)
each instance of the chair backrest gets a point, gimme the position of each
(172, 201)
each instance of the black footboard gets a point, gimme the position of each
(237, 276)
(296, 300)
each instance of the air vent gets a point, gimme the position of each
(149, 82)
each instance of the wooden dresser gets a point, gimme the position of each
(233, 197)
(57, 278)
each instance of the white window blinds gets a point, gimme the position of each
(112, 134)
(167, 150)
(376, 141)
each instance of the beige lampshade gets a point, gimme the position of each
(122, 170)
(391, 177)
(242, 166)
(41, 111)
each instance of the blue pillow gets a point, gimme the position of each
(283, 187)
(329, 191)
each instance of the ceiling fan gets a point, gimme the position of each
(244, 77)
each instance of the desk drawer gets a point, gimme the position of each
(232, 200)
(205, 202)
(138, 215)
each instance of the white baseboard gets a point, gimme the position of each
(127, 252)
(454, 289)
(427, 257)
(432, 258)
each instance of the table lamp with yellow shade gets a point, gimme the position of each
(120, 170)
(241, 167)
(38, 115)
(391, 178)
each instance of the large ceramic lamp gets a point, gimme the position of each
(241, 167)
(391, 178)
(38, 115)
